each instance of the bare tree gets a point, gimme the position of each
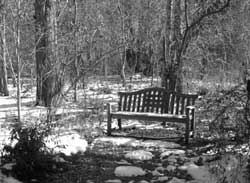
(177, 39)
(3, 64)
(49, 82)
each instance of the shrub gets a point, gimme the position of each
(29, 153)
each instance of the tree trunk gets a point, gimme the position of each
(75, 48)
(3, 76)
(49, 82)
(166, 42)
(172, 74)
(17, 48)
(41, 23)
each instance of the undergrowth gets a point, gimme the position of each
(28, 151)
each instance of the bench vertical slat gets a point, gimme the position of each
(149, 101)
(152, 100)
(120, 102)
(182, 105)
(188, 101)
(144, 102)
(129, 102)
(159, 101)
(134, 102)
(166, 104)
(139, 103)
(109, 126)
(125, 102)
(172, 103)
(177, 104)
(193, 118)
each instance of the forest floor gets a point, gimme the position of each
(88, 155)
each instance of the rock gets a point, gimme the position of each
(160, 168)
(129, 171)
(9, 179)
(172, 159)
(200, 173)
(171, 168)
(8, 166)
(122, 162)
(143, 181)
(89, 181)
(139, 155)
(156, 173)
(132, 181)
(188, 166)
(113, 181)
(172, 151)
(176, 180)
(59, 159)
(161, 179)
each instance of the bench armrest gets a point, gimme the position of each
(109, 107)
(191, 107)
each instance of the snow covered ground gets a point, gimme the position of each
(71, 143)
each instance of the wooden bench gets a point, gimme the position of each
(155, 104)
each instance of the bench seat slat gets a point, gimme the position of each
(150, 116)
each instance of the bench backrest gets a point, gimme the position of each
(157, 100)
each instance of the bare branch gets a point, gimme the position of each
(190, 28)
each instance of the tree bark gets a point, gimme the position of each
(166, 43)
(17, 49)
(171, 76)
(49, 82)
(75, 48)
(4, 78)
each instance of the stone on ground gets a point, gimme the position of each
(176, 180)
(5, 179)
(171, 168)
(113, 181)
(199, 173)
(161, 179)
(139, 155)
(172, 151)
(129, 171)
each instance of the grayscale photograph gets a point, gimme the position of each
(124, 91)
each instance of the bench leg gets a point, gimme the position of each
(193, 125)
(119, 124)
(109, 120)
(187, 132)
(109, 126)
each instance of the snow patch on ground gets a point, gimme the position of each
(116, 140)
(139, 155)
(159, 144)
(67, 144)
(5, 179)
(126, 141)
(129, 171)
